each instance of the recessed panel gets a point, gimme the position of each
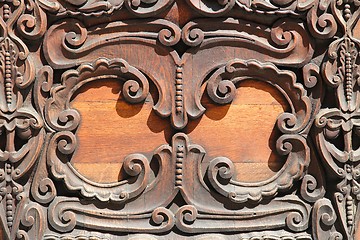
(111, 129)
(244, 131)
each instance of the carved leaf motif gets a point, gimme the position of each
(341, 72)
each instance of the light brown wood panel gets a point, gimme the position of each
(244, 130)
(230, 130)
(111, 129)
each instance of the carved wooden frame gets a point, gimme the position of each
(43, 196)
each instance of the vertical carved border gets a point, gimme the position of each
(35, 107)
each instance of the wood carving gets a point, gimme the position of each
(178, 53)
(340, 121)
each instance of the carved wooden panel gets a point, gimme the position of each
(160, 119)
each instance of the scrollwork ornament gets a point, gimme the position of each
(146, 8)
(21, 127)
(283, 38)
(63, 144)
(61, 117)
(22, 235)
(186, 215)
(139, 8)
(63, 120)
(34, 218)
(35, 106)
(212, 8)
(32, 23)
(321, 22)
(192, 36)
(64, 219)
(45, 191)
(221, 169)
(311, 75)
(323, 221)
(42, 87)
(65, 214)
(222, 85)
(296, 221)
(163, 218)
(310, 190)
(79, 40)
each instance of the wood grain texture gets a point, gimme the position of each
(244, 130)
(111, 129)
(179, 119)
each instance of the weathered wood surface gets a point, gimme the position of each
(179, 119)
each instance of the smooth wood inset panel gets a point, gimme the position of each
(111, 129)
(244, 130)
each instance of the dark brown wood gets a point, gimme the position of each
(180, 119)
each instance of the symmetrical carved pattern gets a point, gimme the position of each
(18, 117)
(187, 51)
(339, 123)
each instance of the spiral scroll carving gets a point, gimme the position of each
(221, 170)
(222, 85)
(136, 165)
(212, 8)
(324, 217)
(178, 56)
(310, 190)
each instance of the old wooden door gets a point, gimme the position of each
(179, 119)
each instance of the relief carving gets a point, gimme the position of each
(221, 88)
(88, 8)
(288, 212)
(339, 122)
(49, 49)
(63, 120)
(18, 117)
